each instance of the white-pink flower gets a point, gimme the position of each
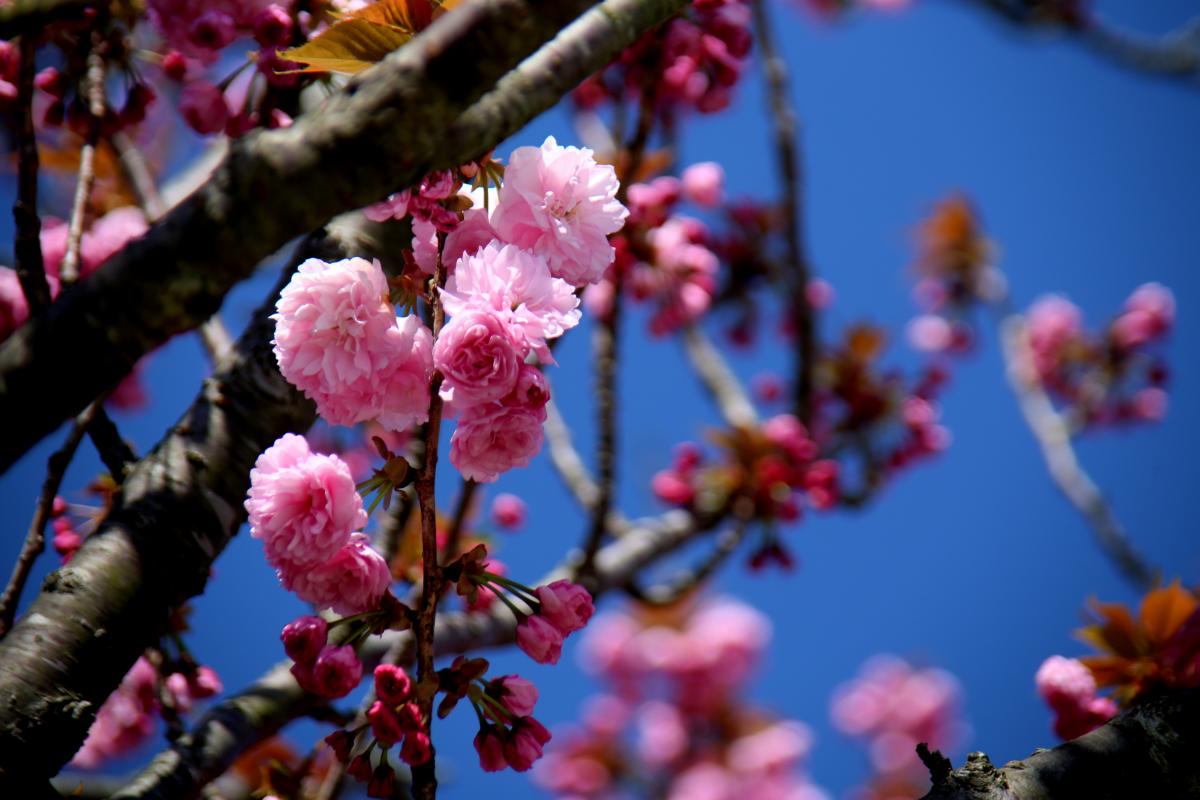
(559, 203)
(704, 183)
(490, 440)
(303, 506)
(517, 285)
(338, 340)
(478, 357)
(351, 582)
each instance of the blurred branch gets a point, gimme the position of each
(27, 244)
(566, 460)
(462, 507)
(787, 147)
(244, 719)
(412, 112)
(1173, 55)
(1053, 435)
(35, 539)
(1147, 750)
(93, 92)
(31, 16)
(719, 379)
(680, 585)
(213, 334)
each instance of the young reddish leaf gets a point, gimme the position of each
(349, 46)
(1116, 632)
(1164, 610)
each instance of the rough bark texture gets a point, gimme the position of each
(384, 131)
(182, 504)
(1148, 751)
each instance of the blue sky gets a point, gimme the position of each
(1086, 178)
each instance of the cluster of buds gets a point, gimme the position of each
(955, 274)
(558, 609)
(327, 670)
(394, 718)
(1113, 376)
(775, 466)
(1069, 688)
(509, 736)
(871, 413)
(690, 63)
(664, 257)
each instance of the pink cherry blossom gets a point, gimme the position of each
(704, 183)
(301, 505)
(336, 672)
(508, 511)
(1065, 682)
(518, 286)
(125, 720)
(565, 605)
(517, 695)
(559, 203)
(490, 440)
(304, 637)
(338, 340)
(351, 582)
(478, 358)
(540, 640)
(13, 308)
(394, 207)
(1149, 313)
(425, 245)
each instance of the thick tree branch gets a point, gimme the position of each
(1147, 751)
(182, 503)
(387, 128)
(1053, 436)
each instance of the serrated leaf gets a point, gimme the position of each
(365, 37)
(349, 46)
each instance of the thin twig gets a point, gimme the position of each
(213, 334)
(1053, 435)
(680, 585)
(68, 271)
(606, 343)
(718, 378)
(466, 497)
(787, 143)
(425, 775)
(31, 269)
(566, 459)
(35, 539)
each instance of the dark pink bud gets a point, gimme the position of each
(566, 605)
(490, 747)
(52, 82)
(175, 65)
(203, 107)
(272, 26)
(392, 684)
(359, 768)
(416, 749)
(212, 30)
(336, 672)
(540, 640)
(303, 638)
(341, 742)
(524, 743)
(384, 723)
(508, 511)
(382, 783)
(517, 695)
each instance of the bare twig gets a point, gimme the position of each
(718, 378)
(31, 270)
(213, 334)
(68, 271)
(463, 507)
(1053, 435)
(1173, 55)
(791, 172)
(566, 459)
(35, 539)
(425, 775)
(686, 581)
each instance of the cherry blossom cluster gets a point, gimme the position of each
(1069, 688)
(306, 511)
(674, 714)
(893, 706)
(662, 257)
(690, 63)
(1112, 376)
(128, 717)
(325, 669)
